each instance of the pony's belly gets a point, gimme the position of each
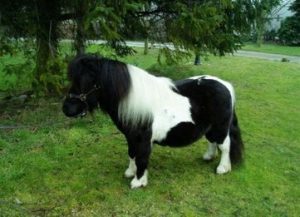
(182, 134)
(167, 118)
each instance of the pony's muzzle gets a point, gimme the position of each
(74, 108)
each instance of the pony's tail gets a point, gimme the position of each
(236, 143)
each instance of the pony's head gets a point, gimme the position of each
(85, 89)
(95, 81)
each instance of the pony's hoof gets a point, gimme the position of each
(222, 169)
(142, 182)
(208, 156)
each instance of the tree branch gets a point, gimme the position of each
(154, 12)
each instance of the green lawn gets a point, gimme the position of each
(55, 166)
(274, 49)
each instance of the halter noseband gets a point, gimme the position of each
(83, 96)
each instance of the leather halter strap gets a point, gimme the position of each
(83, 96)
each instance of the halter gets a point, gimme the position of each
(83, 96)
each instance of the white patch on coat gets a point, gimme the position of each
(225, 83)
(131, 170)
(142, 182)
(152, 98)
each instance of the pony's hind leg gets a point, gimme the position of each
(225, 163)
(219, 136)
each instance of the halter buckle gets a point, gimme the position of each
(82, 97)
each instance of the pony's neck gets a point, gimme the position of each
(146, 94)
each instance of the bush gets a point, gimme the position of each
(17, 71)
(54, 79)
(16, 77)
(16, 65)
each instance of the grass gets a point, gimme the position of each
(273, 49)
(54, 166)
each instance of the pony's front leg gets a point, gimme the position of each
(141, 160)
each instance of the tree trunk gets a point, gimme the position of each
(146, 46)
(46, 38)
(80, 37)
(42, 57)
(197, 59)
(260, 27)
(260, 35)
(79, 42)
(147, 27)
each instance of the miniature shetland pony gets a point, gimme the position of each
(156, 110)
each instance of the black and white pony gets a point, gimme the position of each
(149, 109)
